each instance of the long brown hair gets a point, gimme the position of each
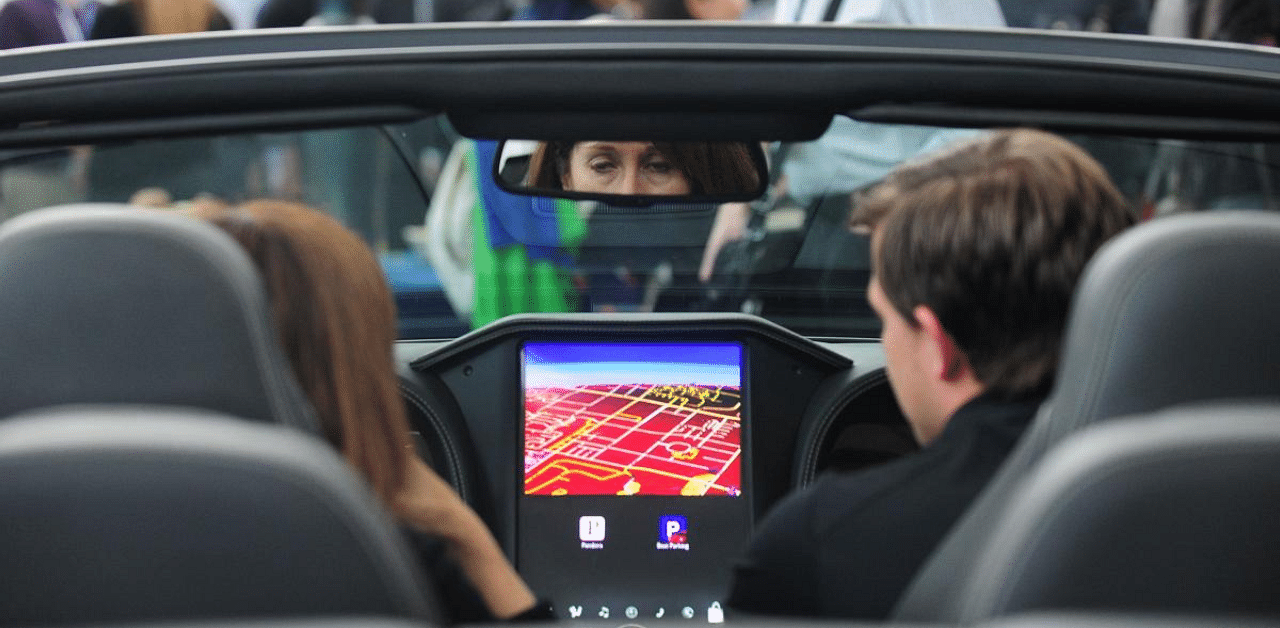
(335, 316)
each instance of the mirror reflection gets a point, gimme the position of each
(585, 168)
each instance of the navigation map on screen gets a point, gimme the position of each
(632, 419)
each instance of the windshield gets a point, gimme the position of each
(458, 252)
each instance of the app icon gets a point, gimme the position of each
(604, 612)
(631, 612)
(575, 612)
(591, 528)
(661, 611)
(687, 612)
(715, 614)
(673, 529)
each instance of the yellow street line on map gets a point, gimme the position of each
(606, 473)
(592, 424)
(660, 402)
(631, 467)
(677, 476)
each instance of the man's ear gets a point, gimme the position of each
(948, 362)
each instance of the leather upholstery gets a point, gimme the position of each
(1178, 310)
(113, 304)
(1167, 514)
(132, 514)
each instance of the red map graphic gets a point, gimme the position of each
(633, 439)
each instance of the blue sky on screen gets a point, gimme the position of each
(583, 364)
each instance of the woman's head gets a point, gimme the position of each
(645, 168)
(336, 320)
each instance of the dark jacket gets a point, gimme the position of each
(848, 545)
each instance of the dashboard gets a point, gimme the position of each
(623, 460)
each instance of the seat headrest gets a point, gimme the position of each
(1178, 310)
(1170, 513)
(130, 514)
(114, 304)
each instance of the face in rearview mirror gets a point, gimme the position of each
(633, 171)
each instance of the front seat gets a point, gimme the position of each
(1171, 513)
(127, 514)
(1178, 310)
(115, 304)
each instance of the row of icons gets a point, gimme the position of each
(715, 614)
(673, 532)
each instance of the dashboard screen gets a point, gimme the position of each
(634, 504)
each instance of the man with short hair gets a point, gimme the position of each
(976, 252)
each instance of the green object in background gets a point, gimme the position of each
(515, 278)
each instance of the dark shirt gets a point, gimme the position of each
(848, 545)
(30, 23)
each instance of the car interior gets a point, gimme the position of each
(160, 465)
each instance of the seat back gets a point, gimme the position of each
(1171, 513)
(134, 514)
(113, 304)
(1178, 310)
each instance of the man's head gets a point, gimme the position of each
(975, 255)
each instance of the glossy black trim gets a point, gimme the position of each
(664, 327)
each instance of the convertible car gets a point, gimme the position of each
(620, 387)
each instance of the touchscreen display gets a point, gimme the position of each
(634, 502)
(637, 419)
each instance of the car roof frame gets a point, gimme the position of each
(652, 80)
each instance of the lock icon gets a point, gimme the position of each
(715, 614)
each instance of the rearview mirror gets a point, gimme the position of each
(633, 172)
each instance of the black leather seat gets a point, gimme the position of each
(1172, 513)
(113, 304)
(137, 514)
(1179, 310)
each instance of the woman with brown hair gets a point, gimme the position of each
(645, 168)
(336, 320)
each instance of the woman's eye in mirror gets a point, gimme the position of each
(660, 167)
(615, 170)
(602, 166)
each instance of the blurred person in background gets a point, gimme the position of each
(131, 18)
(181, 168)
(1099, 16)
(525, 251)
(290, 13)
(970, 13)
(57, 176)
(851, 154)
(40, 22)
(1191, 176)
(1241, 21)
(690, 9)
(242, 14)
